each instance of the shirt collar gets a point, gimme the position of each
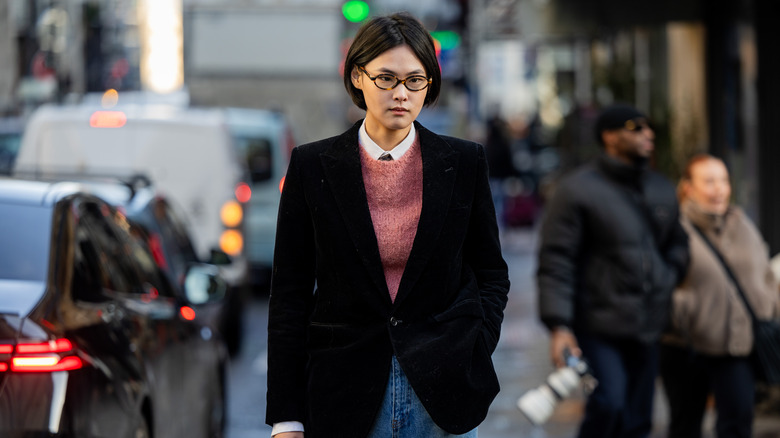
(373, 149)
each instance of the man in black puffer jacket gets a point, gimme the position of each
(612, 250)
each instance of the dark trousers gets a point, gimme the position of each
(621, 406)
(689, 378)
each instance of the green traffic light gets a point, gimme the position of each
(447, 38)
(355, 10)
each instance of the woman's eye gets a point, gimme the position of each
(386, 78)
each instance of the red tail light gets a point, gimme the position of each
(187, 313)
(41, 364)
(243, 193)
(107, 119)
(155, 246)
(40, 357)
(58, 346)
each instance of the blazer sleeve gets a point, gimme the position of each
(483, 255)
(292, 285)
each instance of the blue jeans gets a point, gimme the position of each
(621, 406)
(402, 415)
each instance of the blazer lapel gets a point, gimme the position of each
(341, 164)
(440, 167)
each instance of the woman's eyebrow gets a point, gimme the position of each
(411, 73)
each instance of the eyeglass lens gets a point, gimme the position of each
(414, 83)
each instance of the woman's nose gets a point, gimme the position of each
(400, 92)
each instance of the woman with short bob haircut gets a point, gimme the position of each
(385, 33)
(388, 286)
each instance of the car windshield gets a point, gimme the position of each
(24, 233)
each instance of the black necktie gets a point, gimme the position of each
(386, 157)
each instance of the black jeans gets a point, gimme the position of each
(622, 404)
(689, 378)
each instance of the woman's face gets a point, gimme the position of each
(391, 112)
(709, 186)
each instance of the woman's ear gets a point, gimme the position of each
(355, 75)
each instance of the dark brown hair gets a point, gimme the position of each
(381, 34)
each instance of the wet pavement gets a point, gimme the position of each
(522, 357)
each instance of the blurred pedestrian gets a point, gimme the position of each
(611, 252)
(707, 350)
(499, 158)
(388, 285)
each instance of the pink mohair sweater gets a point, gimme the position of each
(394, 192)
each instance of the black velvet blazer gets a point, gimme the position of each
(332, 327)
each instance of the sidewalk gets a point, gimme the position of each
(522, 362)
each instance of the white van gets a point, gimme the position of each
(188, 154)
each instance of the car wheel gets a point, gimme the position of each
(233, 338)
(142, 428)
(233, 322)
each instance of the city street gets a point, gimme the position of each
(521, 361)
(144, 148)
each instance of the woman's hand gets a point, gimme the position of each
(562, 339)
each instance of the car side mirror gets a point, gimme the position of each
(204, 284)
(219, 257)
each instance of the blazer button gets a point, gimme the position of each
(394, 322)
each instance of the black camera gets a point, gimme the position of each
(538, 404)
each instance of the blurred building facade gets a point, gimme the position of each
(54, 50)
(701, 69)
(278, 55)
(288, 55)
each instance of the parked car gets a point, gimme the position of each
(94, 339)
(166, 232)
(187, 153)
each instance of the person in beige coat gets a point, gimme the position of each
(707, 348)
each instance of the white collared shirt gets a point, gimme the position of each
(373, 149)
(286, 426)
